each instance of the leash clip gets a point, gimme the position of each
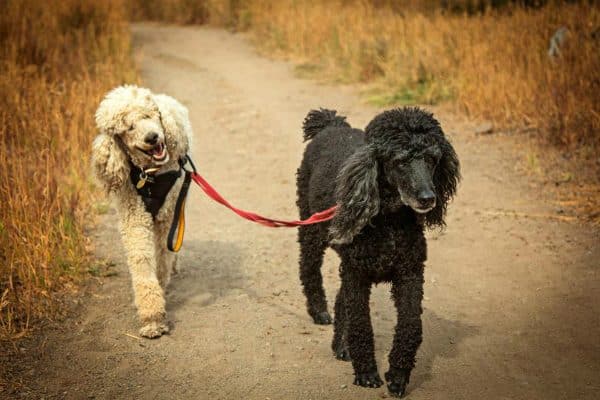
(145, 177)
(187, 159)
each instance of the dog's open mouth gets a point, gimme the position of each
(422, 210)
(158, 153)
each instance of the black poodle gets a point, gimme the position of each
(390, 183)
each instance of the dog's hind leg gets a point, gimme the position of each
(407, 292)
(166, 264)
(175, 265)
(339, 344)
(312, 248)
(165, 260)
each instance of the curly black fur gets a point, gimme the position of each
(389, 182)
(316, 121)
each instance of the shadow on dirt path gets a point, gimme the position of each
(512, 298)
(212, 271)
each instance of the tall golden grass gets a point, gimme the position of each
(174, 11)
(224, 13)
(57, 58)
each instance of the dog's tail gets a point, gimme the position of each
(317, 120)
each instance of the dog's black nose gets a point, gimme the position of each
(426, 198)
(151, 138)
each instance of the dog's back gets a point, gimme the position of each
(332, 141)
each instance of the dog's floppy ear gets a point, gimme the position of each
(175, 121)
(109, 162)
(445, 180)
(357, 196)
(112, 110)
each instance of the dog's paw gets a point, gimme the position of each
(397, 379)
(153, 330)
(368, 379)
(322, 318)
(341, 353)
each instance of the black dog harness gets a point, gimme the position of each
(153, 189)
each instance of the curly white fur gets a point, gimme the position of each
(132, 113)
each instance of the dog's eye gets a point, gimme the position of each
(398, 162)
(131, 127)
(429, 159)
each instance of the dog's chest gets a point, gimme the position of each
(154, 193)
(389, 246)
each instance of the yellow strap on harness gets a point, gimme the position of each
(180, 229)
(178, 224)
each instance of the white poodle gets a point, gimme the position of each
(138, 158)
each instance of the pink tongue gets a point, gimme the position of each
(157, 150)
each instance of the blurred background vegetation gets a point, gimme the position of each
(491, 60)
(57, 58)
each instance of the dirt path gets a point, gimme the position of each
(512, 304)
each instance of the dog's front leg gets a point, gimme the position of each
(407, 292)
(356, 291)
(138, 238)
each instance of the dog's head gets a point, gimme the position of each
(407, 151)
(130, 115)
(136, 125)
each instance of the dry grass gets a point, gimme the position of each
(216, 12)
(174, 11)
(57, 58)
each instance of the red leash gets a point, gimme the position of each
(321, 216)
